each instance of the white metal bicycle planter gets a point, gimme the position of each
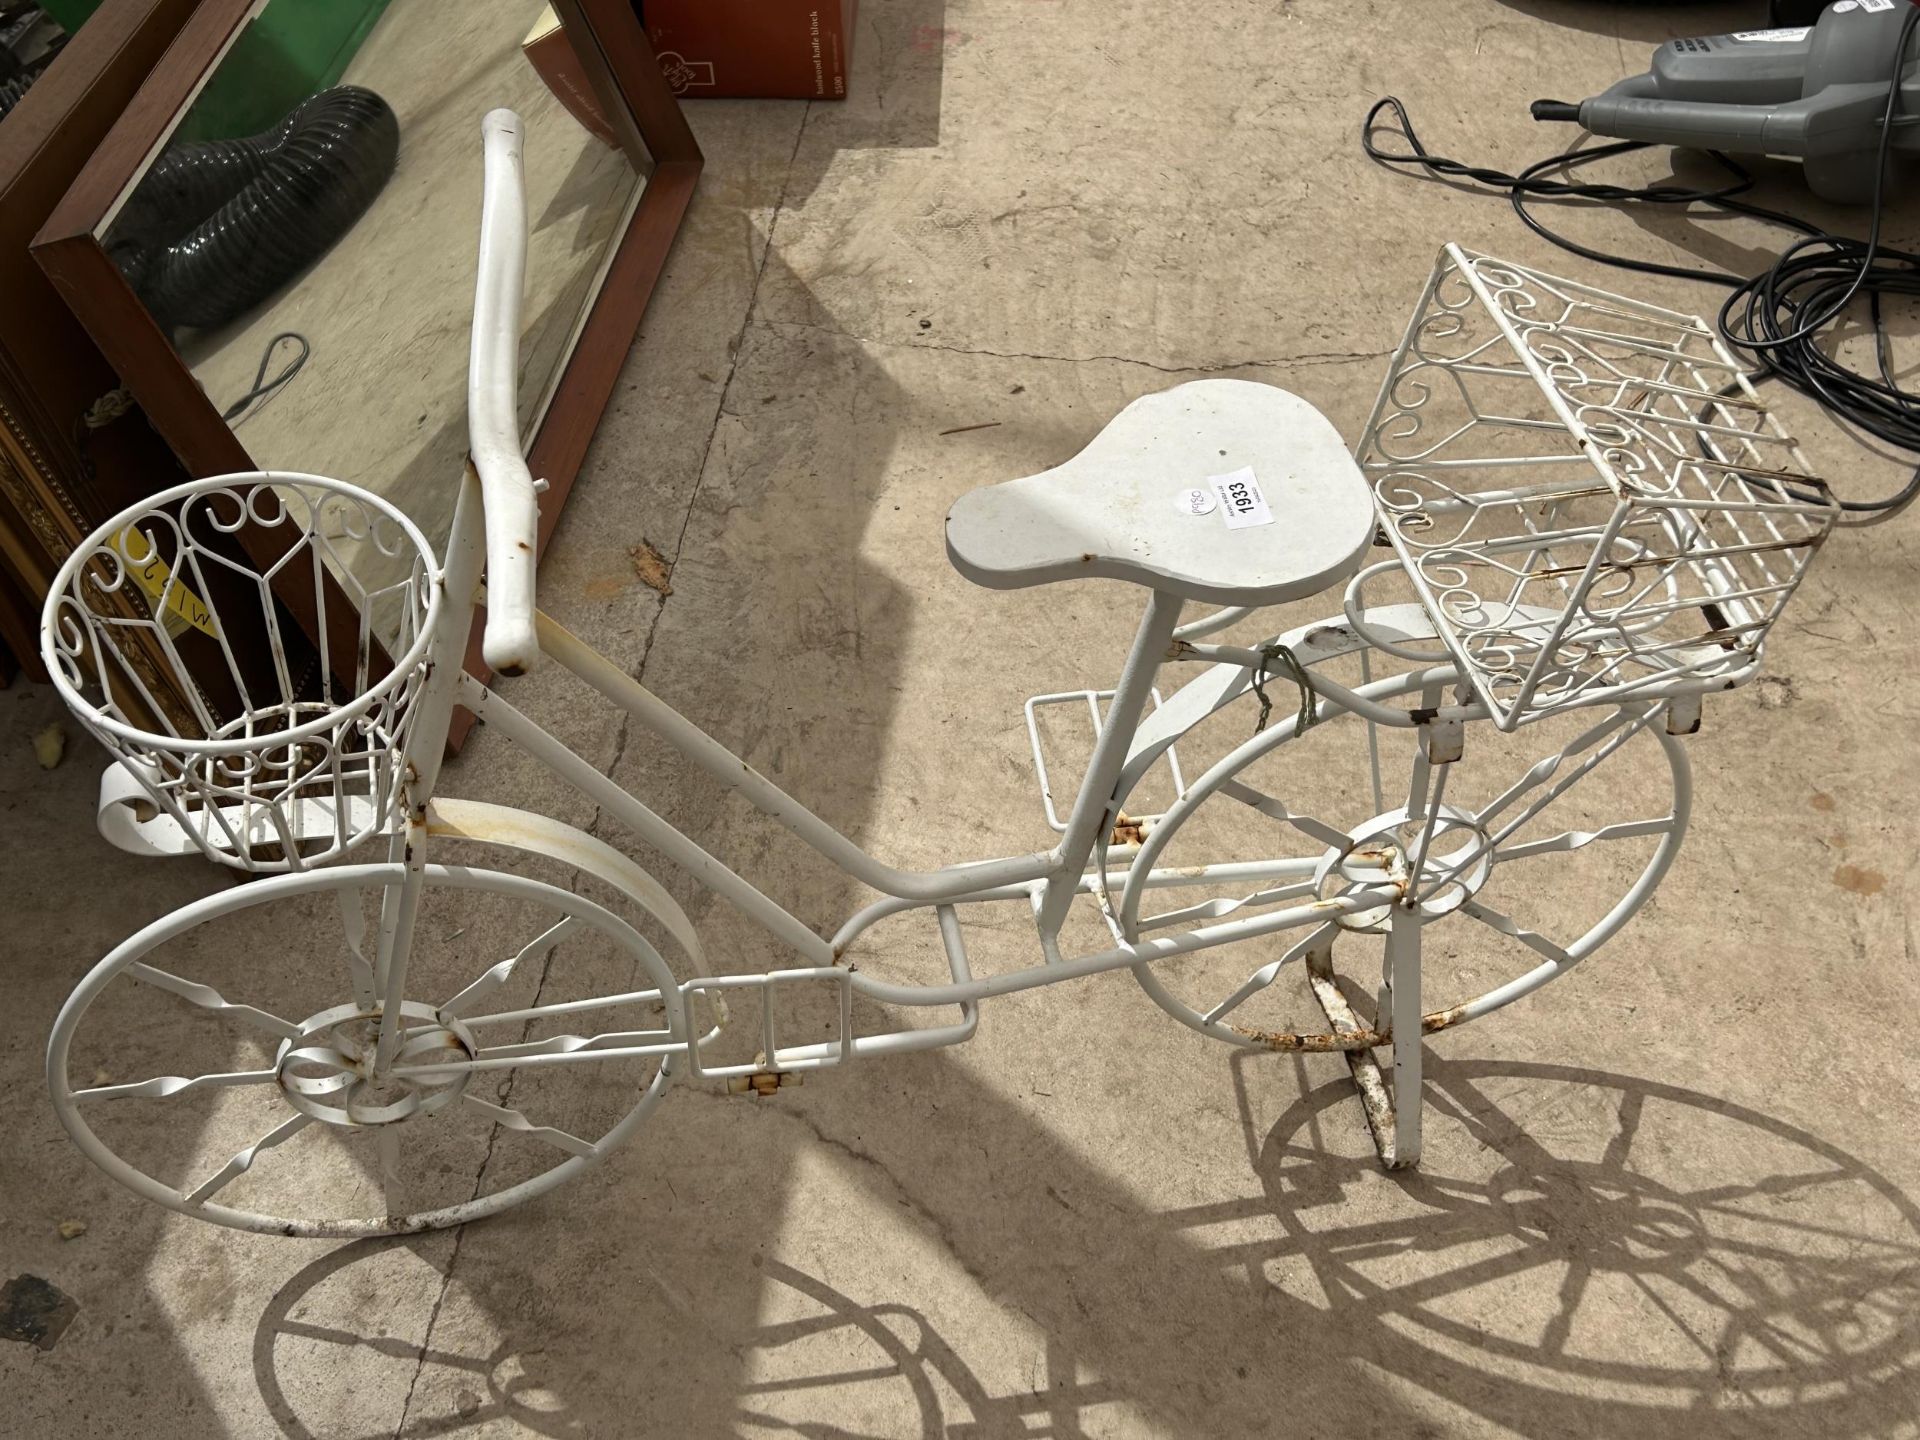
(1599, 523)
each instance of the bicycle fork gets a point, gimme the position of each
(1394, 1110)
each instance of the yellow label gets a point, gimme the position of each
(179, 607)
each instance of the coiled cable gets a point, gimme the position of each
(1776, 317)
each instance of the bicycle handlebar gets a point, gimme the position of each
(493, 421)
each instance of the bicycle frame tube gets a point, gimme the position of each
(1057, 874)
(736, 774)
(492, 517)
(491, 513)
(1090, 819)
(955, 882)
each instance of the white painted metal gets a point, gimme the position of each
(737, 775)
(1402, 978)
(1092, 700)
(1400, 862)
(1585, 491)
(305, 1047)
(166, 582)
(1114, 511)
(493, 411)
(1096, 807)
(1492, 838)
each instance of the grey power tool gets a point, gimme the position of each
(1818, 93)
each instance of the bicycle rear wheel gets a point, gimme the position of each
(1545, 843)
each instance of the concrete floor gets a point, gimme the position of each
(1673, 1195)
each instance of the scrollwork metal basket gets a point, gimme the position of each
(1588, 494)
(279, 765)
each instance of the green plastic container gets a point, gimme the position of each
(288, 51)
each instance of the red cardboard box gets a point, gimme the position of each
(795, 49)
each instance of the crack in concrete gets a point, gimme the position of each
(433, 1317)
(626, 726)
(504, 1096)
(1281, 362)
(720, 411)
(942, 1231)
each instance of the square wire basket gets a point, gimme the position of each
(1588, 495)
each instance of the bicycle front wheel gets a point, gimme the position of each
(224, 1061)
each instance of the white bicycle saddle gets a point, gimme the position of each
(1227, 491)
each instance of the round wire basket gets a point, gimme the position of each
(172, 634)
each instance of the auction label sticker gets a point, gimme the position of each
(1240, 496)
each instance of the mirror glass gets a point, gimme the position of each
(306, 233)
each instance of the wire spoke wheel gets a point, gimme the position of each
(227, 1061)
(1521, 859)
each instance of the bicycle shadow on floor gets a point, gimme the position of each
(839, 1345)
(1603, 1255)
(731, 1269)
(1559, 1266)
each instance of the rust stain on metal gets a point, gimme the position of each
(1324, 1043)
(765, 1082)
(1728, 638)
(1375, 1099)
(1127, 830)
(1185, 872)
(653, 568)
(1341, 1039)
(1765, 472)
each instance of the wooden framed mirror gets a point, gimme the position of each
(368, 336)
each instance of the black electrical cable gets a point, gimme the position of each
(263, 387)
(1776, 316)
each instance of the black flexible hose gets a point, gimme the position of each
(12, 92)
(216, 226)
